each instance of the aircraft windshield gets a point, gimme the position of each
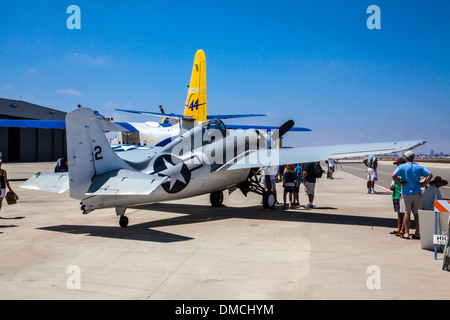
(215, 125)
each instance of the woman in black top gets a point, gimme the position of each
(3, 184)
(289, 184)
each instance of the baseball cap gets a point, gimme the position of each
(409, 154)
(400, 161)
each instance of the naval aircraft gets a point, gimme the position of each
(207, 159)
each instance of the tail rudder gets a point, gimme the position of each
(196, 99)
(88, 150)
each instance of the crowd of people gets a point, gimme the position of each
(293, 175)
(413, 187)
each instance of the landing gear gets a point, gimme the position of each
(268, 200)
(252, 184)
(123, 221)
(216, 198)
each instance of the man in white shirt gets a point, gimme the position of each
(330, 168)
(432, 192)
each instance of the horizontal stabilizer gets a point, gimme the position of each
(275, 157)
(50, 182)
(124, 182)
(123, 126)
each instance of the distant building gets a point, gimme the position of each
(30, 144)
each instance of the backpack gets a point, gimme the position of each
(371, 161)
(318, 171)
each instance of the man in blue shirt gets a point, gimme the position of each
(411, 199)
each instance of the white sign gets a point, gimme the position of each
(440, 239)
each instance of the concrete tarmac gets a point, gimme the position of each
(188, 250)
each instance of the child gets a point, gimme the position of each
(289, 183)
(395, 188)
(298, 172)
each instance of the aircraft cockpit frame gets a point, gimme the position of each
(215, 124)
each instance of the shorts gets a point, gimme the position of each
(396, 203)
(309, 187)
(371, 174)
(273, 182)
(289, 189)
(297, 189)
(411, 203)
(3, 193)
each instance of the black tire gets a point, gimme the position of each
(216, 198)
(123, 221)
(268, 200)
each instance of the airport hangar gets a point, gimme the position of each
(30, 144)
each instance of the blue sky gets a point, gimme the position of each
(315, 62)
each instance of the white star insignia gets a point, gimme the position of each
(174, 172)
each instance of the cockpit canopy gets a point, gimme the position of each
(208, 132)
(215, 124)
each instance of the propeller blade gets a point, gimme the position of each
(285, 128)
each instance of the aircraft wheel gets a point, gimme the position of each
(123, 221)
(216, 198)
(268, 200)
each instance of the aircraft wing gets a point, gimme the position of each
(233, 116)
(158, 114)
(50, 182)
(40, 124)
(268, 128)
(184, 117)
(276, 157)
(124, 182)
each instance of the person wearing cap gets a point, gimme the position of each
(396, 190)
(411, 193)
(432, 192)
(371, 162)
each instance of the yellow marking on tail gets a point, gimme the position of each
(196, 98)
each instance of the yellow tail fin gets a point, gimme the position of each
(196, 98)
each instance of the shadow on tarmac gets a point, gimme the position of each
(201, 213)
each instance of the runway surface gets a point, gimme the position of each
(185, 249)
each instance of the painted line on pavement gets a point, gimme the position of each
(376, 185)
